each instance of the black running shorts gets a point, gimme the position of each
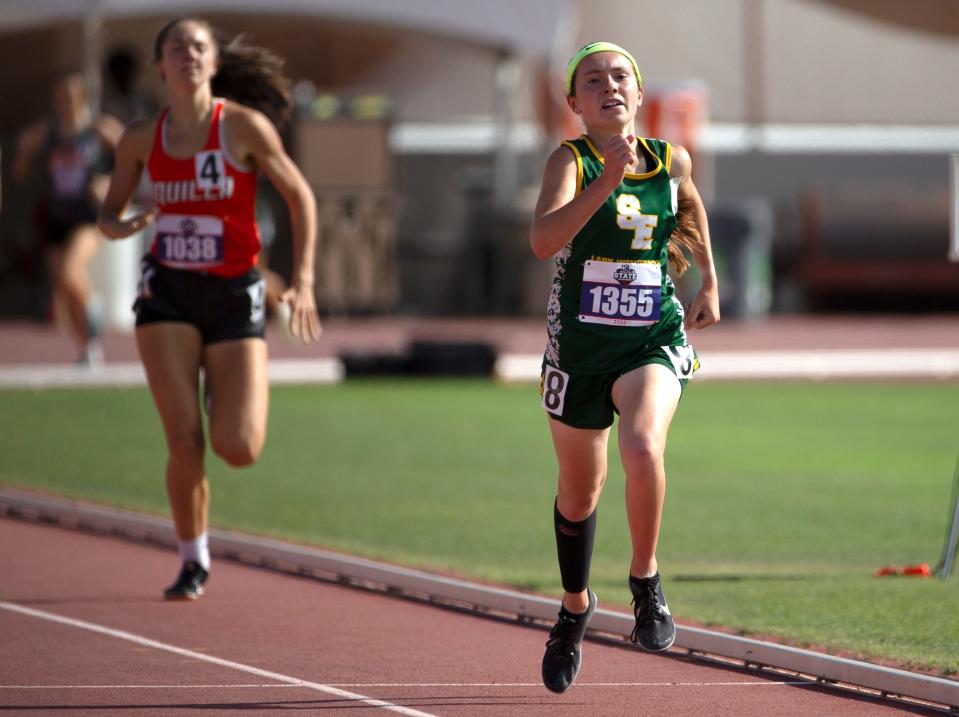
(222, 309)
(62, 217)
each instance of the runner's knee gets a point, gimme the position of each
(578, 505)
(641, 455)
(72, 283)
(235, 448)
(186, 446)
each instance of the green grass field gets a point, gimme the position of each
(782, 498)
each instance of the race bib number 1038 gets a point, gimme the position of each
(189, 242)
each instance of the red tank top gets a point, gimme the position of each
(207, 203)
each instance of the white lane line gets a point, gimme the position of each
(757, 683)
(144, 687)
(146, 642)
(761, 683)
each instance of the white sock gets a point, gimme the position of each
(196, 550)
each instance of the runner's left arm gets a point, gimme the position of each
(704, 309)
(259, 141)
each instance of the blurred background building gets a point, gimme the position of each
(821, 132)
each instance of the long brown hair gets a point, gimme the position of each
(686, 236)
(248, 74)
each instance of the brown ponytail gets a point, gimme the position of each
(253, 76)
(685, 236)
(250, 75)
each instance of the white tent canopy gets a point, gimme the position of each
(540, 27)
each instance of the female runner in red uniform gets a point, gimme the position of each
(201, 299)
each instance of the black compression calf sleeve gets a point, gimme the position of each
(574, 548)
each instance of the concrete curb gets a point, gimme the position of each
(835, 365)
(481, 599)
(821, 365)
(130, 374)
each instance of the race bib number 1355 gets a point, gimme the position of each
(620, 293)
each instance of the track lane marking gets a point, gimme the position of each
(157, 645)
(756, 683)
(142, 687)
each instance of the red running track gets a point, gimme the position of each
(83, 631)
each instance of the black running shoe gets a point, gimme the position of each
(654, 629)
(189, 584)
(562, 658)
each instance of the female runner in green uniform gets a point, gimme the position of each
(613, 210)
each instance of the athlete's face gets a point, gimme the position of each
(606, 91)
(189, 55)
(69, 96)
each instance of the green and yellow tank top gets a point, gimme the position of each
(611, 294)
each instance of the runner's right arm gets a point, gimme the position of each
(129, 159)
(560, 212)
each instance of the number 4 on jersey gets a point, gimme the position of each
(210, 172)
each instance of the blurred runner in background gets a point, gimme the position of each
(75, 148)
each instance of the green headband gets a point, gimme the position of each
(591, 49)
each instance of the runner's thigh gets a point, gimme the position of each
(236, 380)
(581, 453)
(646, 399)
(171, 353)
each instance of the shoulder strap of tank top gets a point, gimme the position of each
(213, 138)
(159, 134)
